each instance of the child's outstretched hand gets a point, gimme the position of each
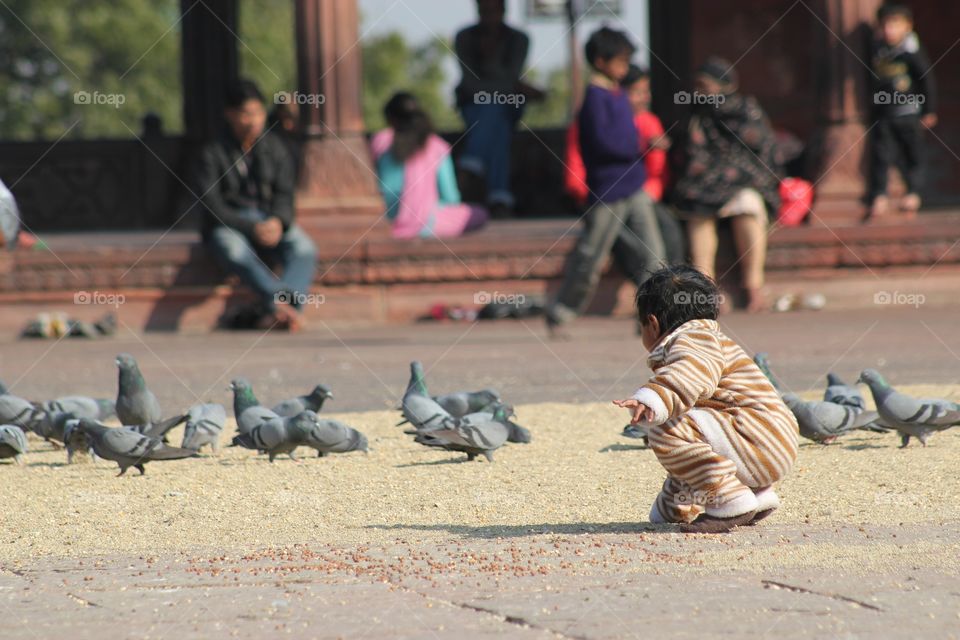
(639, 412)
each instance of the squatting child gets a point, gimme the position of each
(714, 421)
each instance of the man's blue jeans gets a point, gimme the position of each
(295, 254)
(488, 143)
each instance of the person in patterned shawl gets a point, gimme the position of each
(728, 170)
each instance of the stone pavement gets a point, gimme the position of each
(368, 367)
(620, 581)
(560, 581)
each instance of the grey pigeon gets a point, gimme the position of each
(636, 432)
(51, 426)
(50, 421)
(13, 442)
(246, 408)
(270, 435)
(313, 401)
(762, 360)
(838, 392)
(75, 439)
(518, 434)
(81, 407)
(135, 403)
(461, 403)
(501, 413)
(204, 424)
(824, 422)
(419, 409)
(18, 412)
(473, 437)
(910, 416)
(129, 448)
(326, 436)
(157, 429)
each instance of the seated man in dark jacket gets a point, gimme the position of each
(246, 181)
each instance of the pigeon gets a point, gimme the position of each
(75, 439)
(838, 392)
(135, 403)
(501, 413)
(762, 360)
(246, 408)
(270, 435)
(418, 408)
(52, 416)
(474, 437)
(461, 403)
(312, 401)
(18, 412)
(81, 407)
(326, 436)
(637, 432)
(13, 442)
(910, 416)
(129, 448)
(158, 429)
(518, 434)
(4, 390)
(204, 424)
(823, 421)
(51, 426)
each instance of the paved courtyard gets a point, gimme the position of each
(549, 541)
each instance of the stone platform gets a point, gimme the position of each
(168, 282)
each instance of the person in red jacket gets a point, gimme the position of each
(654, 145)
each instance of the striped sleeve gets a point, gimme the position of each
(691, 370)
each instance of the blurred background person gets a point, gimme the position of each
(728, 170)
(491, 98)
(417, 176)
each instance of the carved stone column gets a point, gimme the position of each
(842, 56)
(338, 189)
(208, 62)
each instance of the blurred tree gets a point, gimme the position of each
(95, 65)
(267, 48)
(99, 66)
(554, 109)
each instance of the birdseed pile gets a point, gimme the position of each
(576, 475)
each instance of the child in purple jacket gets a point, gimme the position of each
(618, 205)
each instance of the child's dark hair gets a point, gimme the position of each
(677, 294)
(606, 43)
(240, 91)
(411, 125)
(894, 10)
(634, 75)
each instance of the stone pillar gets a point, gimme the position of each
(338, 190)
(842, 56)
(670, 51)
(208, 62)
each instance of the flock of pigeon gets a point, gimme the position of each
(471, 422)
(843, 410)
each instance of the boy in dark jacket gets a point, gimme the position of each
(904, 103)
(619, 207)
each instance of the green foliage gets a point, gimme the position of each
(391, 64)
(267, 47)
(554, 110)
(123, 53)
(126, 55)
